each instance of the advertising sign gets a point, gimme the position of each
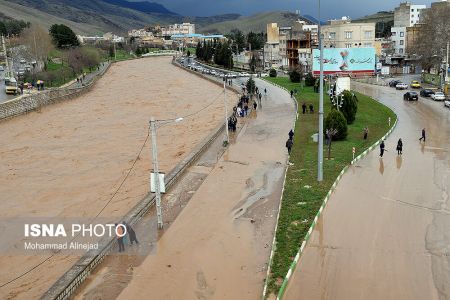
(345, 61)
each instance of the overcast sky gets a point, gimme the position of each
(330, 8)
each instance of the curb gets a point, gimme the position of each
(322, 207)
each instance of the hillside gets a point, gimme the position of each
(256, 23)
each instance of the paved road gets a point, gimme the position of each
(3, 96)
(219, 245)
(385, 233)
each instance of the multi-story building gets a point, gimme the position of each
(345, 34)
(175, 29)
(314, 29)
(298, 47)
(272, 47)
(140, 33)
(285, 33)
(405, 15)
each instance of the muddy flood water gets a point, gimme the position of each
(68, 159)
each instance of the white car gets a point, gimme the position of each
(401, 86)
(264, 74)
(447, 103)
(438, 96)
(245, 74)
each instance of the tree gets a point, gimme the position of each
(63, 36)
(111, 51)
(91, 57)
(251, 86)
(38, 41)
(433, 35)
(273, 73)
(252, 63)
(238, 39)
(349, 106)
(309, 79)
(295, 75)
(335, 120)
(255, 41)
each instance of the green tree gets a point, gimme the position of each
(273, 73)
(309, 79)
(63, 36)
(349, 106)
(138, 51)
(255, 40)
(251, 86)
(238, 39)
(252, 63)
(295, 75)
(336, 120)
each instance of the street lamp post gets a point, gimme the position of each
(320, 150)
(226, 109)
(157, 183)
(446, 69)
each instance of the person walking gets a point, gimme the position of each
(382, 148)
(255, 105)
(304, 108)
(423, 135)
(291, 134)
(292, 93)
(131, 233)
(399, 147)
(366, 132)
(289, 144)
(265, 91)
(311, 108)
(120, 234)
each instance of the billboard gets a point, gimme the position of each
(345, 61)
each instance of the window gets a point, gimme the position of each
(367, 34)
(348, 34)
(367, 44)
(394, 33)
(412, 9)
(402, 34)
(393, 43)
(412, 16)
(332, 35)
(400, 50)
(348, 45)
(401, 42)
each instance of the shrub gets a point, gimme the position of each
(309, 79)
(336, 120)
(273, 73)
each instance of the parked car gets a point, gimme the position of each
(401, 86)
(411, 96)
(438, 96)
(245, 74)
(393, 83)
(415, 84)
(264, 74)
(426, 92)
(447, 103)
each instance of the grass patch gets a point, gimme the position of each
(300, 204)
(122, 55)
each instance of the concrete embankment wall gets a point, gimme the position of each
(27, 103)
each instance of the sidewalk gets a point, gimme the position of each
(89, 77)
(220, 243)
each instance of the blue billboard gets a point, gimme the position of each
(345, 60)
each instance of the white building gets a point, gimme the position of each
(139, 33)
(405, 15)
(345, 34)
(176, 29)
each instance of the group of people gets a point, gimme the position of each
(290, 141)
(81, 78)
(130, 235)
(399, 147)
(304, 108)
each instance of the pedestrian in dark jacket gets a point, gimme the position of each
(423, 135)
(255, 105)
(291, 134)
(399, 147)
(382, 148)
(289, 144)
(292, 93)
(366, 132)
(131, 233)
(304, 108)
(311, 108)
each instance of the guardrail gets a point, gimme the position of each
(66, 285)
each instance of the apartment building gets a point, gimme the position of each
(405, 15)
(174, 29)
(345, 34)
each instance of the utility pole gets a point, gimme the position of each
(446, 70)
(226, 109)
(156, 173)
(320, 150)
(115, 55)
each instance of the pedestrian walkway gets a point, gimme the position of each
(218, 247)
(88, 78)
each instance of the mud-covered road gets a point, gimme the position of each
(68, 159)
(385, 233)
